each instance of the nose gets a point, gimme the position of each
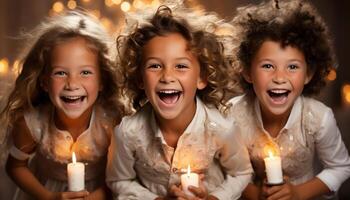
(167, 75)
(72, 83)
(279, 76)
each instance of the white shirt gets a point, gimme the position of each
(310, 143)
(142, 166)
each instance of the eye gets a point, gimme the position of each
(86, 72)
(181, 66)
(154, 66)
(293, 67)
(267, 66)
(59, 73)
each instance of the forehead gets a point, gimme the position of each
(274, 50)
(171, 43)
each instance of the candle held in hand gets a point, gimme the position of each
(273, 168)
(189, 179)
(76, 175)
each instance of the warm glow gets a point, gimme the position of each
(106, 23)
(138, 4)
(125, 6)
(155, 3)
(4, 66)
(109, 3)
(16, 67)
(95, 13)
(74, 159)
(347, 97)
(270, 154)
(58, 7)
(332, 75)
(116, 2)
(346, 89)
(86, 1)
(71, 4)
(188, 170)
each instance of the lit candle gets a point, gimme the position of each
(273, 169)
(189, 179)
(76, 173)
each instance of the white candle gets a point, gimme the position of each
(189, 179)
(273, 169)
(76, 175)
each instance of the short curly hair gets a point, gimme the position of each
(291, 23)
(204, 39)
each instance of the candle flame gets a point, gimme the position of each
(270, 154)
(188, 170)
(74, 159)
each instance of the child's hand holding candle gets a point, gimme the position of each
(273, 169)
(76, 173)
(189, 179)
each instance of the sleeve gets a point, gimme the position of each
(332, 153)
(121, 177)
(235, 161)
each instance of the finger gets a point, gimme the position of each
(177, 192)
(281, 193)
(197, 191)
(72, 195)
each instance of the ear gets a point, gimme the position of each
(202, 83)
(309, 76)
(246, 76)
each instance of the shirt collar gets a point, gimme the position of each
(193, 127)
(295, 112)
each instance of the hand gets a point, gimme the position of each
(68, 195)
(287, 191)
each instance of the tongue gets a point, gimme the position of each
(278, 98)
(169, 99)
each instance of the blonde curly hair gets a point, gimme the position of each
(208, 36)
(35, 62)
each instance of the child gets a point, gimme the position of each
(176, 77)
(286, 55)
(60, 105)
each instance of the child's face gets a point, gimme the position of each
(74, 80)
(171, 76)
(278, 76)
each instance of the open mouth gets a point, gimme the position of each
(169, 96)
(278, 95)
(72, 99)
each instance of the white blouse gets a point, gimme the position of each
(309, 144)
(142, 166)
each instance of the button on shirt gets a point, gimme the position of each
(142, 166)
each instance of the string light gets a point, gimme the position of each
(116, 2)
(72, 4)
(332, 75)
(346, 93)
(109, 3)
(58, 7)
(125, 6)
(4, 66)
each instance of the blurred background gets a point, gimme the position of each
(18, 16)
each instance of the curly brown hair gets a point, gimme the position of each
(291, 23)
(36, 62)
(204, 41)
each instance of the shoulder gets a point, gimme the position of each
(315, 114)
(136, 123)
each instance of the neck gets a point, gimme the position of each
(74, 126)
(172, 129)
(273, 124)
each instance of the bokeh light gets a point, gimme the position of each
(125, 6)
(4, 66)
(58, 7)
(72, 4)
(332, 75)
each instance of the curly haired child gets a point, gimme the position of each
(175, 67)
(285, 55)
(66, 99)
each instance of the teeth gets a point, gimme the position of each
(168, 91)
(72, 97)
(279, 91)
